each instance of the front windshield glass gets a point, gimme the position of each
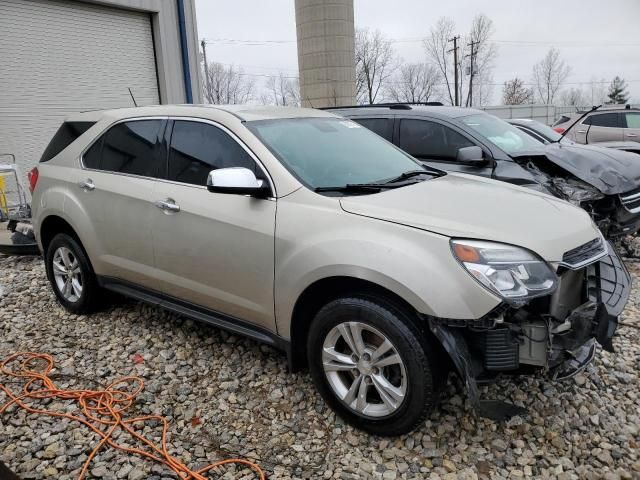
(502, 134)
(332, 152)
(545, 131)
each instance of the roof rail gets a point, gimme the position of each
(393, 106)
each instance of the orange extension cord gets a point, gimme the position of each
(103, 411)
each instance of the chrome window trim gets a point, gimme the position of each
(175, 118)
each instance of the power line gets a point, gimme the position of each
(568, 43)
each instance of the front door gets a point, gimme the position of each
(213, 250)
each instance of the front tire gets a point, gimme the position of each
(71, 276)
(371, 366)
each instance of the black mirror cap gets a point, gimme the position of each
(262, 191)
(472, 156)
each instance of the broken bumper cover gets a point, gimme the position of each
(517, 341)
(609, 287)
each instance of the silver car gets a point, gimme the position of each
(611, 124)
(310, 233)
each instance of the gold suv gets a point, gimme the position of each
(309, 232)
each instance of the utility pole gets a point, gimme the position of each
(472, 56)
(455, 65)
(207, 80)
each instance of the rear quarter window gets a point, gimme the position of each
(65, 136)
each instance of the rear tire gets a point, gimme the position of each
(71, 275)
(383, 382)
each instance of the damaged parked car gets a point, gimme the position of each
(308, 232)
(604, 182)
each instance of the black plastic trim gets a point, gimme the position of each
(195, 312)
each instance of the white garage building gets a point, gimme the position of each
(64, 56)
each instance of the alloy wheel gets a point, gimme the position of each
(364, 369)
(67, 274)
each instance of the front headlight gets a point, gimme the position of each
(513, 273)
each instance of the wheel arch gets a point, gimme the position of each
(53, 225)
(317, 294)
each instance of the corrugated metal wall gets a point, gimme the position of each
(59, 57)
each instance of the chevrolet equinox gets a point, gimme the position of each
(308, 232)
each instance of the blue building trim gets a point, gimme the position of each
(186, 72)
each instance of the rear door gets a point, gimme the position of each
(631, 130)
(214, 250)
(600, 127)
(115, 186)
(383, 126)
(437, 144)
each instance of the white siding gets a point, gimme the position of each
(59, 57)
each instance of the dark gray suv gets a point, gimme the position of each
(604, 182)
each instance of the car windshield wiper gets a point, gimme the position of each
(354, 187)
(376, 187)
(413, 173)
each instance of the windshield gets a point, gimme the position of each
(547, 132)
(502, 134)
(330, 152)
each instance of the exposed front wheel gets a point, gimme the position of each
(71, 275)
(370, 365)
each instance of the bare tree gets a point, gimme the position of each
(227, 85)
(549, 74)
(436, 45)
(282, 91)
(375, 63)
(415, 83)
(484, 54)
(515, 93)
(573, 97)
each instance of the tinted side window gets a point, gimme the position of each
(91, 158)
(632, 119)
(381, 126)
(603, 120)
(65, 135)
(197, 148)
(429, 140)
(133, 148)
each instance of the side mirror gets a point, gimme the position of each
(238, 180)
(471, 156)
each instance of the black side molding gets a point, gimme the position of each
(196, 312)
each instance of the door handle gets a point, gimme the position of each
(581, 131)
(631, 135)
(87, 185)
(168, 205)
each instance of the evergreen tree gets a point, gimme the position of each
(618, 91)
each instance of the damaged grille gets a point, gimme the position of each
(631, 200)
(584, 254)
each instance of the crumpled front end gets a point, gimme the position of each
(614, 214)
(556, 335)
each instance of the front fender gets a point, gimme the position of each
(414, 264)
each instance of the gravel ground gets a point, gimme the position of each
(229, 396)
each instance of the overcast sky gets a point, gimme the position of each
(598, 39)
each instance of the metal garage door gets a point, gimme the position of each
(59, 57)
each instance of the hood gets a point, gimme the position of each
(610, 171)
(458, 205)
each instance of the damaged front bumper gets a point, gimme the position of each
(556, 335)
